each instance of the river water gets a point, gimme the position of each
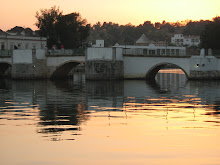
(168, 121)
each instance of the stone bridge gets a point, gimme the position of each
(104, 63)
(115, 64)
(195, 67)
(37, 64)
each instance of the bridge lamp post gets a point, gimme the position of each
(41, 43)
(125, 44)
(166, 45)
(107, 41)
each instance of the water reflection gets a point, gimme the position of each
(56, 106)
(63, 106)
(118, 122)
(104, 95)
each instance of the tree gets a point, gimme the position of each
(46, 20)
(210, 37)
(72, 30)
(69, 30)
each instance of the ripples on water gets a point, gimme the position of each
(168, 121)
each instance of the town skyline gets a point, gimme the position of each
(121, 12)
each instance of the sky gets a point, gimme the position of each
(22, 12)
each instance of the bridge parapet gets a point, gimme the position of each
(69, 52)
(6, 52)
(156, 52)
(215, 52)
(170, 52)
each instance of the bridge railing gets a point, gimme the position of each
(6, 52)
(155, 52)
(66, 52)
(216, 52)
(170, 52)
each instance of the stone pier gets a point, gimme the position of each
(29, 64)
(104, 64)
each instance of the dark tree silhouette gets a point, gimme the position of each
(69, 30)
(211, 35)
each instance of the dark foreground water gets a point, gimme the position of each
(170, 121)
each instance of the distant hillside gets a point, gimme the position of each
(114, 33)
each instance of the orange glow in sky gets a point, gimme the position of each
(22, 12)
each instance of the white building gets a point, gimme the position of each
(181, 40)
(9, 41)
(143, 46)
(191, 40)
(99, 44)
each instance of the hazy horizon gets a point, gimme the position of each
(22, 13)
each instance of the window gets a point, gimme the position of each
(158, 51)
(2, 46)
(26, 46)
(42, 46)
(145, 51)
(19, 45)
(172, 52)
(34, 46)
(177, 51)
(11, 46)
(152, 52)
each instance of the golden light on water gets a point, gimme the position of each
(123, 123)
(176, 71)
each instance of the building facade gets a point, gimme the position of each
(191, 40)
(10, 42)
(180, 40)
(99, 44)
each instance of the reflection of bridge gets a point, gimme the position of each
(104, 63)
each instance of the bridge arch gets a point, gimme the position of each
(63, 70)
(152, 72)
(4, 66)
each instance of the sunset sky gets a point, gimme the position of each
(22, 12)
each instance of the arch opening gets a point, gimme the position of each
(62, 72)
(151, 74)
(5, 70)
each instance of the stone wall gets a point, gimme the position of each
(104, 70)
(204, 75)
(28, 65)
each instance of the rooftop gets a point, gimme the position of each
(143, 40)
